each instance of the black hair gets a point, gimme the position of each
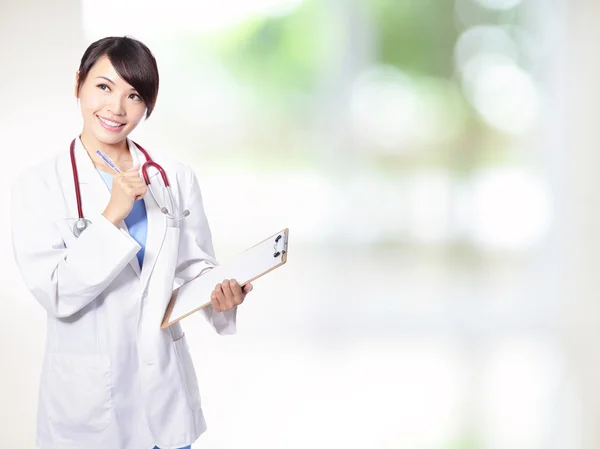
(132, 60)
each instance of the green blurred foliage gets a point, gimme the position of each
(282, 59)
(277, 54)
(416, 35)
(287, 52)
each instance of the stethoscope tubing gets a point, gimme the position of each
(82, 223)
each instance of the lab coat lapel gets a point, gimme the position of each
(157, 224)
(94, 193)
(134, 262)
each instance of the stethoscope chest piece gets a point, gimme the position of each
(80, 226)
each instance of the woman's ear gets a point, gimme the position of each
(76, 84)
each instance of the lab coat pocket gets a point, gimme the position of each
(188, 373)
(78, 393)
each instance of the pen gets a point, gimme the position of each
(108, 161)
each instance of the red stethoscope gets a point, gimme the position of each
(82, 223)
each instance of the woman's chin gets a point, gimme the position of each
(110, 138)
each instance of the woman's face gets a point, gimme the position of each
(110, 107)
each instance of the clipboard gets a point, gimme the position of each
(253, 263)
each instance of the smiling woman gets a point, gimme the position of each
(117, 83)
(111, 377)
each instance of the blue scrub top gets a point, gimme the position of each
(136, 221)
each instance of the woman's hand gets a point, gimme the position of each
(228, 294)
(127, 187)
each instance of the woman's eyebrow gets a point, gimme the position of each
(107, 79)
(112, 82)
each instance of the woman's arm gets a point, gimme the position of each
(63, 280)
(197, 255)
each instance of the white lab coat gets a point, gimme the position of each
(111, 377)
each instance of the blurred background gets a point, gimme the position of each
(436, 163)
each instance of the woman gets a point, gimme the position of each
(111, 377)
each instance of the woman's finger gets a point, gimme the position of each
(236, 289)
(227, 290)
(220, 295)
(230, 300)
(215, 302)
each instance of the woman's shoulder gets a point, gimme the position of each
(174, 164)
(40, 171)
(174, 167)
(39, 184)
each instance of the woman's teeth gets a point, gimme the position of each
(109, 123)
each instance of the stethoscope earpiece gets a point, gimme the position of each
(165, 211)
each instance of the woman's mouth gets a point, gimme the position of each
(109, 124)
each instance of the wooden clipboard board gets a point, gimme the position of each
(253, 263)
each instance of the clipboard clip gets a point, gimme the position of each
(280, 246)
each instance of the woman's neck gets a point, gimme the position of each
(119, 152)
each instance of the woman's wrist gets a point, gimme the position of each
(111, 217)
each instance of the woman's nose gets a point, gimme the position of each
(117, 107)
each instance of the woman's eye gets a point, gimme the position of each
(104, 87)
(135, 97)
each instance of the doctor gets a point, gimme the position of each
(112, 379)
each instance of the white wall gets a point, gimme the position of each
(40, 43)
(579, 215)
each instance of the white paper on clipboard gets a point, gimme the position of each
(253, 263)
